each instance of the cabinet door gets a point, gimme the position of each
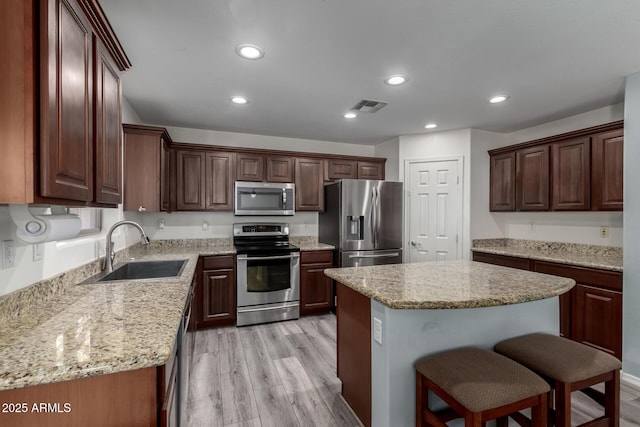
(66, 100)
(597, 319)
(316, 289)
(571, 174)
(219, 297)
(370, 170)
(219, 181)
(502, 182)
(107, 129)
(607, 170)
(532, 179)
(249, 167)
(338, 169)
(309, 185)
(279, 169)
(190, 191)
(142, 156)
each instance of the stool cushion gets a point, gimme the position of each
(558, 358)
(480, 379)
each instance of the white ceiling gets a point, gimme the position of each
(555, 58)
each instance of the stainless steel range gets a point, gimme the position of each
(268, 273)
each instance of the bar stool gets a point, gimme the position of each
(478, 385)
(569, 366)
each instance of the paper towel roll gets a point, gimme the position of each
(43, 228)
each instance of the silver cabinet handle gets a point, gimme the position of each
(375, 256)
(223, 276)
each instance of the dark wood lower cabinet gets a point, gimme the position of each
(353, 313)
(591, 312)
(316, 289)
(216, 291)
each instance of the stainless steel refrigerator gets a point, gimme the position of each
(363, 220)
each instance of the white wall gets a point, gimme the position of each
(60, 256)
(631, 285)
(390, 150)
(573, 227)
(189, 225)
(484, 224)
(442, 145)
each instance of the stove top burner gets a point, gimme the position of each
(263, 239)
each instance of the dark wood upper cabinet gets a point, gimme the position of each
(532, 178)
(309, 184)
(571, 174)
(63, 143)
(371, 170)
(580, 171)
(219, 181)
(107, 127)
(190, 180)
(607, 170)
(502, 196)
(341, 169)
(279, 169)
(250, 167)
(66, 102)
(146, 168)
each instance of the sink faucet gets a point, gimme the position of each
(110, 253)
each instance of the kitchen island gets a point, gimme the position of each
(391, 315)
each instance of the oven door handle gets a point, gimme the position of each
(259, 258)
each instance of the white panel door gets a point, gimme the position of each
(434, 210)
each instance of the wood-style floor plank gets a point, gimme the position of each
(283, 374)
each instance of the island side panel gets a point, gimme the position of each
(353, 313)
(408, 335)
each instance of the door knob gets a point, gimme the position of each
(414, 243)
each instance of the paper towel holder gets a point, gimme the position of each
(39, 228)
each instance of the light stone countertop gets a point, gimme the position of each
(449, 284)
(60, 330)
(590, 256)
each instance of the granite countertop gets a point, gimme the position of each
(449, 284)
(83, 330)
(591, 256)
(58, 329)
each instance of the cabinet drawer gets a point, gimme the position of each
(214, 262)
(588, 276)
(316, 257)
(503, 260)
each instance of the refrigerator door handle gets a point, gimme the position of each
(391, 255)
(372, 217)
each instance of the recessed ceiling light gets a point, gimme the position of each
(396, 79)
(249, 51)
(240, 100)
(350, 115)
(498, 99)
(431, 126)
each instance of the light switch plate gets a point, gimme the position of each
(377, 330)
(37, 251)
(8, 254)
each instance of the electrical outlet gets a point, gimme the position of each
(8, 254)
(161, 224)
(377, 330)
(205, 226)
(37, 251)
(604, 232)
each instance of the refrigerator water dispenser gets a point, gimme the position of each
(355, 227)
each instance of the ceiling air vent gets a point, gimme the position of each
(369, 106)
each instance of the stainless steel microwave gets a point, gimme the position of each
(264, 198)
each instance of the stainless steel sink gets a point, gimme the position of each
(145, 270)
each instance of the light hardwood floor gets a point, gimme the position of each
(284, 375)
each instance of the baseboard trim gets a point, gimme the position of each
(630, 380)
